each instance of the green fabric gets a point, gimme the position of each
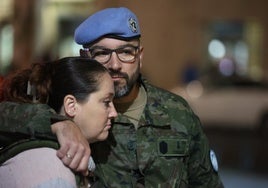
(26, 121)
(169, 149)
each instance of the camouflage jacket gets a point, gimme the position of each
(169, 149)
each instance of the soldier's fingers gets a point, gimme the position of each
(77, 156)
(62, 152)
(83, 164)
(71, 155)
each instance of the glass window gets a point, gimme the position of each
(6, 47)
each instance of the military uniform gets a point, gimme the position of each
(166, 146)
(168, 149)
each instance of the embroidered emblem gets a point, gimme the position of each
(133, 25)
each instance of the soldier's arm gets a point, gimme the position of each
(28, 120)
(203, 167)
(72, 142)
(38, 121)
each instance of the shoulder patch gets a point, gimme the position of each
(213, 160)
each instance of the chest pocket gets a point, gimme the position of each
(164, 158)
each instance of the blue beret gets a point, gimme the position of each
(118, 22)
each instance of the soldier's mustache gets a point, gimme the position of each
(118, 74)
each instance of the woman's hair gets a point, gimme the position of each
(50, 82)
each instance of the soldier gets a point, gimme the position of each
(157, 140)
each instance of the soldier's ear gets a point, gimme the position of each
(69, 104)
(83, 53)
(141, 55)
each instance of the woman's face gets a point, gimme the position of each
(94, 116)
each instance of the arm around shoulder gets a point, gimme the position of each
(30, 120)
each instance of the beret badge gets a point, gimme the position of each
(132, 25)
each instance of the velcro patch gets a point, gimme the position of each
(173, 147)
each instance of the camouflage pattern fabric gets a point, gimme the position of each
(169, 149)
(26, 121)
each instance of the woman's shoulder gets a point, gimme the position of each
(39, 167)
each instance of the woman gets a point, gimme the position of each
(77, 88)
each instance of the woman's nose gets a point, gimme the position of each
(113, 113)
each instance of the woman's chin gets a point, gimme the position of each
(103, 136)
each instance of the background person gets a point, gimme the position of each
(77, 88)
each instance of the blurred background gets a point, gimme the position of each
(213, 53)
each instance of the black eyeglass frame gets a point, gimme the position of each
(84, 52)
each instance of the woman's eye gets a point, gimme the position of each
(107, 103)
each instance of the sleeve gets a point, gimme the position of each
(27, 121)
(203, 169)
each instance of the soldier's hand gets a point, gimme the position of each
(74, 148)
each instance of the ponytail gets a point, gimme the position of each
(29, 85)
(50, 82)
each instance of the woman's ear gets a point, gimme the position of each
(69, 104)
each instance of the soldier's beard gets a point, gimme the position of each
(124, 90)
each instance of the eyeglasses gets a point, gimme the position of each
(126, 54)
